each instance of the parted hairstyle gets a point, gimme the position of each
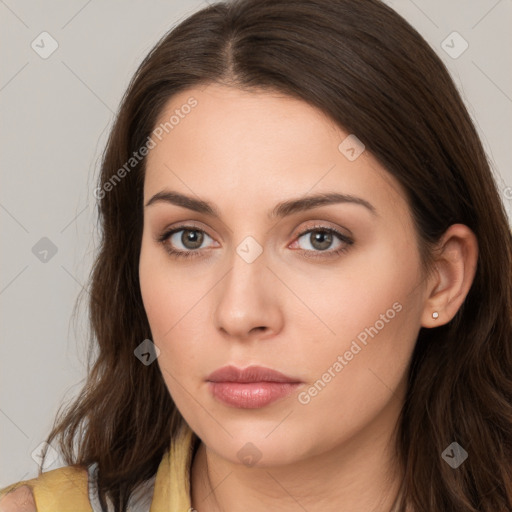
(363, 65)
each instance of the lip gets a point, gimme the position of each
(250, 388)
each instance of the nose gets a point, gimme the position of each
(247, 305)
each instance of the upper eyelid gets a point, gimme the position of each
(319, 225)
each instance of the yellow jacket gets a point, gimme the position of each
(66, 489)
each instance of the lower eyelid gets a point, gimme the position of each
(165, 238)
(344, 239)
(331, 231)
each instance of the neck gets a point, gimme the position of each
(359, 475)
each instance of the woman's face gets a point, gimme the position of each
(267, 283)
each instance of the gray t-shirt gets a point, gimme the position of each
(139, 501)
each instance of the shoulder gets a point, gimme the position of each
(19, 499)
(58, 490)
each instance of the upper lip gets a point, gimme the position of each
(249, 374)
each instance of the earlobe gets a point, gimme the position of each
(455, 267)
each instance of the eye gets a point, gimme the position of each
(320, 239)
(190, 238)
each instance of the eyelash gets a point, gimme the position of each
(320, 254)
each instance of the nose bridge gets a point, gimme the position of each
(248, 261)
(246, 299)
(245, 281)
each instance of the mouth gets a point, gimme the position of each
(250, 388)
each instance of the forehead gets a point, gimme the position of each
(227, 121)
(257, 147)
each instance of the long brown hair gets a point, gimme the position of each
(375, 76)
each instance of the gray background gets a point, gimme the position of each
(56, 113)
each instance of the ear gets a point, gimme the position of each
(454, 270)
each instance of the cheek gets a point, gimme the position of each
(354, 383)
(171, 299)
(376, 320)
(345, 299)
(154, 290)
(163, 288)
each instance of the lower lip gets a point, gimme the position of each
(251, 395)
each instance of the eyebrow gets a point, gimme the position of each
(282, 209)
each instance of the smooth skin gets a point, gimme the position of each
(19, 500)
(245, 152)
(293, 309)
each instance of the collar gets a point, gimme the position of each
(172, 483)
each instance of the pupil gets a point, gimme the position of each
(192, 237)
(324, 238)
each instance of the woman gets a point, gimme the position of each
(303, 294)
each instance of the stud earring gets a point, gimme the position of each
(435, 315)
